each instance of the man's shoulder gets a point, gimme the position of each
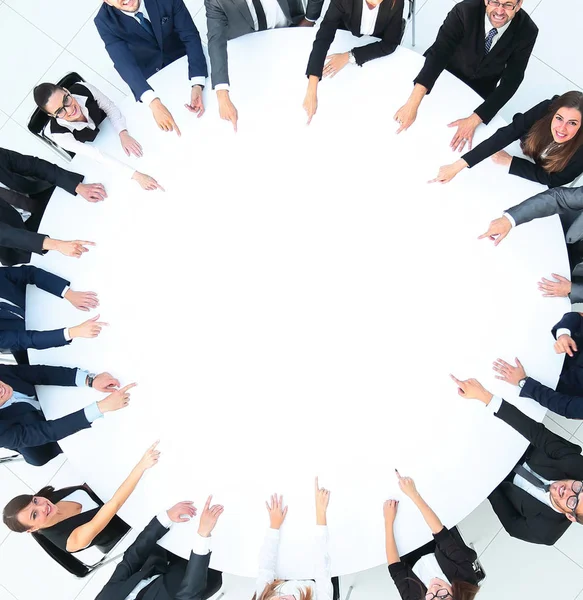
(526, 23)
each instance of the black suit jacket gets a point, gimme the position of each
(552, 457)
(347, 14)
(178, 579)
(460, 48)
(23, 428)
(33, 177)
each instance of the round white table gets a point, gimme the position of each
(294, 303)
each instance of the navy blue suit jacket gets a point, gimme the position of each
(23, 428)
(13, 333)
(137, 55)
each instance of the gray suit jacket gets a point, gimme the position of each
(229, 19)
(568, 204)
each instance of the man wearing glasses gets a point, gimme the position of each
(485, 43)
(541, 497)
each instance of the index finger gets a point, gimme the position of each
(129, 386)
(317, 484)
(398, 474)
(176, 127)
(85, 243)
(208, 502)
(153, 446)
(484, 235)
(459, 382)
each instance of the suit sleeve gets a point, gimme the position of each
(388, 44)
(410, 587)
(39, 340)
(448, 38)
(188, 33)
(123, 60)
(459, 558)
(510, 81)
(193, 584)
(561, 404)
(314, 9)
(22, 239)
(217, 28)
(527, 169)
(572, 321)
(28, 274)
(42, 374)
(576, 294)
(43, 432)
(553, 445)
(551, 202)
(324, 38)
(521, 123)
(31, 166)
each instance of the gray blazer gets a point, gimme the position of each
(568, 204)
(229, 19)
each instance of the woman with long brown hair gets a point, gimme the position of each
(268, 586)
(550, 134)
(442, 570)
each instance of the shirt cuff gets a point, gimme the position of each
(273, 533)
(81, 378)
(65, 290)
(199, 80)
(222, 86)
(201, 545)
(92, 412)
(164, 519)
(66, 334)
(310, 20)
(495, 404)
(510, 218)
(322, 530)
(563, 331)
(148, 96)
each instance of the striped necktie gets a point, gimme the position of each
(531, 478)
(489, 38)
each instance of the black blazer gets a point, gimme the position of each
(347, 14)
(23, 428)
(552, 457)
(460, 48)
(179, 580)
(454, 558)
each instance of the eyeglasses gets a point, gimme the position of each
(573, 501)
(440, 595)
(67, 101)
(505, 5)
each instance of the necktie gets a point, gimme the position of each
(145, 23)
(489, 38)
(261, 20)
(18, 200)
(10, 311)
(531, 478)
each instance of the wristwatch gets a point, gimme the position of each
(90, 378)
(521, 383)
(351, 58)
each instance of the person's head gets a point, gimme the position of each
(271, 593)
(57, 102)
(560, 129)
(28, 513)
(125, 5)
(5, 393)
(458, 590)
(567, 496)
(502, 12)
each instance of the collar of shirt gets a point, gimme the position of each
(18, 397)
(488, 27)
(141, 8)
(77, 125)
(538, 493)
(369, 18)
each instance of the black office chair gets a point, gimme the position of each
(39, 120)
(411, 17)
(477, 565)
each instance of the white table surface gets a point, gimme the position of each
(294, 303)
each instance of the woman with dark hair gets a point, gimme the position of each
(75, 118)
(550, 133)
(74, 518)
(380, 18)
(268, 586)
(443, 569)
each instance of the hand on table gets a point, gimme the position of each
(565, 344)
(196, 104)
(130, 145)
(117, 400)
(406, 116)
(182, 512)
(74, 248)
(498, 230)
(88, 329)
(146, 182)
(561, 288)
(209, 517)
(448, 172)
(105, 382)
(82, 300)
(163, 117)
(507, 372)
(334, 64)
(92, 192)
(502, 158)
(277, 511)
(407, 485)
(465, 132)
(473, 390)
(390, 508)
(227, 110)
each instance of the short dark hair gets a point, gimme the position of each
(42, 94)
(16, 505)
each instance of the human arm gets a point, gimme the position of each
(324, 38)
(188, 33)
(555, 201)
(522, 167)
(313, 10)
(83, 535)
(561, 404)
(39, 340)
(75, 248)
(269, 550)
(218, 26)
(390, 508)
(21, 239)
(31, 275)
(408, 487)
(389, 42)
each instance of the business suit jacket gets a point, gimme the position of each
(552, 457)
(347, 14)
(568, 204)
(23, 428)
(37, 179)
(178, 579)
(460, 48)
(518, 130)
(230, 19)
(13, 333)
(137, 55)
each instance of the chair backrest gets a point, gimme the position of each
(67, 560)
(477, 565)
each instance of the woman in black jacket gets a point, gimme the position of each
(550, 133)
(445, 572)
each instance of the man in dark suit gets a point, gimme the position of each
(142, 37)
(485, 43)
(23, 427)
(14, 337)
(26, 185)
(230, 19)
(542, 496)
(148, 572)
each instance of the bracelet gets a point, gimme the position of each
(90, 379)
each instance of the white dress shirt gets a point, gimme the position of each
(321, 588)
(369, 18)
(150, 95)
(68, 141)
(488, 27)
(427, 567)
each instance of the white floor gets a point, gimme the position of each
(40, 41)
